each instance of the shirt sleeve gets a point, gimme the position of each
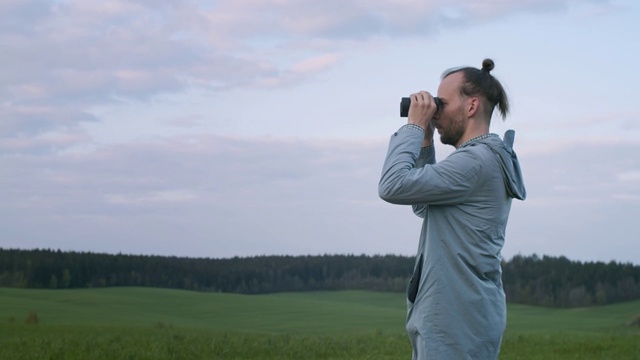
(448, 182)
(427, 156)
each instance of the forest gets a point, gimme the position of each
(544, 281)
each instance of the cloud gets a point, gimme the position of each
(43, 143)
(199, 169)
(219, 196)
(229, 196)
(232, 190)
(70, 56)
(20, 120)
(315, 64)
(166, 196)
(589, 170)
(633, 175)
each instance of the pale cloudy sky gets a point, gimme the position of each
(250, 127)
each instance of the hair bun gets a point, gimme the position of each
(487, 65)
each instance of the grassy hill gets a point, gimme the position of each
(155, 323)
(308, 312)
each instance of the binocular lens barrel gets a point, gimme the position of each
(405, 103)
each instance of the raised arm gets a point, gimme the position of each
(447, 182)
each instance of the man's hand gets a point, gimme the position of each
(421, 111)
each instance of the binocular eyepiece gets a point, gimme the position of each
(405, 102)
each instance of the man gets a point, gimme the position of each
(456, 303)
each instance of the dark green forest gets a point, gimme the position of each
(546, 281)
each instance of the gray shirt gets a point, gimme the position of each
(456, 303)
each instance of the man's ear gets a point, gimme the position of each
(473, 105)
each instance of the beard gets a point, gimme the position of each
(454, 132)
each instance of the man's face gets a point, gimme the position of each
(451, 121)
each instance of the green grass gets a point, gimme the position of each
(84, 342)
(550, 346)
(308, 313)
(603, 319)
(148, 323)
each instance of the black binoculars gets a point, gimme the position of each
(405, 102)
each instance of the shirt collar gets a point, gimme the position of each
(477, 138)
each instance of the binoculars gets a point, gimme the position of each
(405, 102)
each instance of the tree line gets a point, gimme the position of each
(545, 281)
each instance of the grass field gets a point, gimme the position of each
(147, 323)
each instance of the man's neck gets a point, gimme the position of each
(474, 129)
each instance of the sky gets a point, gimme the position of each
(259, 127)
